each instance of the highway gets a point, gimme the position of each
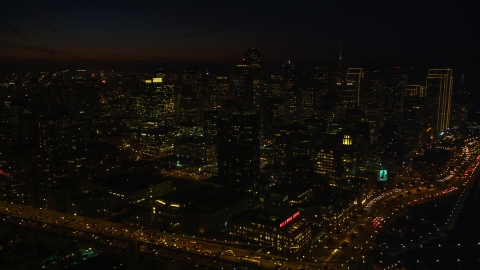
(157, 243)
(385, 207)
(153, 242)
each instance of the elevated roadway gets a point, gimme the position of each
(135, 243)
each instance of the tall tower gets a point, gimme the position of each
(355, 76)
(239, 152)
(372, 92)
(439, 93)
(395, 89)
(242, 79)
(252, 59)
(340, 75)
(288, 73)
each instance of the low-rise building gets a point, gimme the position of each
(198, 208)
(133, 187)
(195, 147)
(285, 234)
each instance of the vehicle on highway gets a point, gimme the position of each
(248, 261)
(252, 255)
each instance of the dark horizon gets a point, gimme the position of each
(95, 35)
(417, 70)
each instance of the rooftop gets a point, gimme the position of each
(188, 194)
(132, 181)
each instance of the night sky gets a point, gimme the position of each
(168, 33)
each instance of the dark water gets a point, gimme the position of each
(460, 250)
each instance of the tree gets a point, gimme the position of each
(353, 236)
(344, 245)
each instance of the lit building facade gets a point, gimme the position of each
(335, 161)
(415, 90)
(157, 141)
(355, 76)
(439, 93)
(284, 234)
(158, 100)
(195, 147)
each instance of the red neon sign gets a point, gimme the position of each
(286, 221)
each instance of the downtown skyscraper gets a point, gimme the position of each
(238, 150)
(439, 93)
(238, 145)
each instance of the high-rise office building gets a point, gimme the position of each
(348, 94)
(242, 79)
(238, 152)
(415, 90)
(210, 125)
(340, 73)
(288, 70)
(439, 93)
(371, 93)
(414, 122)
(395, 87)
(323, 73)
(155, 103)
(291, 141)
(273, 112)
(355, 76)
(338, 157)
(250, 63)
(288, 74)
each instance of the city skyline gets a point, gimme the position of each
(148, 34)
(329, 155)
(227, 135)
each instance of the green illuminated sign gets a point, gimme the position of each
(382, 175)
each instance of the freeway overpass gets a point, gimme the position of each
(135, 244)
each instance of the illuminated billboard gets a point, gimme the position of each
(157, 80)
(286, 221)
(382, 175)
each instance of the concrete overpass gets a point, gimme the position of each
(135, 244)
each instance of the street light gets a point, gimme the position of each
(74, 209)
(106, 212)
